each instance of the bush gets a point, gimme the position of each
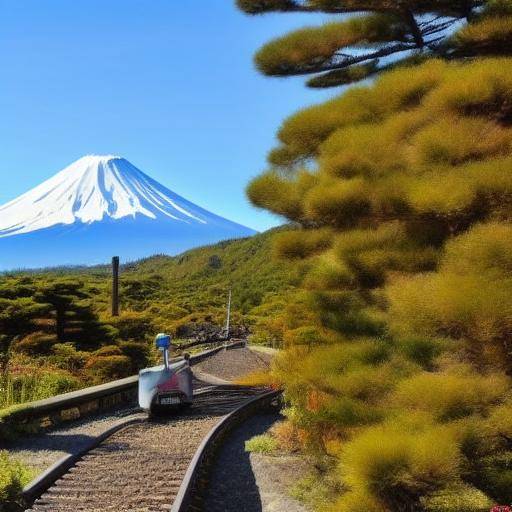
(358, 501)
(422, 351)
(286, 435)
(307, 335)
(67, 357)
(451, 396)
(13, 477)
(36, 344)
(396, 467)
(258, 378)
(264, 444)
(495, 476)
(108, 367)
(468, 298)
(499, 422)
(137, 352)
(108, 350)
(457, 499)
(36, 385)
(133, 325)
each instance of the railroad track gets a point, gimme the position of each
(140, 468)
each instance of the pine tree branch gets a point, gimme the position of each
(349, 60)
(415, 29)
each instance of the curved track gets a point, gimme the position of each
(141, 467)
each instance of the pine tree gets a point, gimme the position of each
(400, 197)
(18, 317)
(378, 35)
(75, 319)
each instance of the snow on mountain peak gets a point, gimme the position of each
(94, 188)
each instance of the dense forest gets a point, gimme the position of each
(398, 377)
(57, 332)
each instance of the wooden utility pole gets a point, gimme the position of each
(115, 286)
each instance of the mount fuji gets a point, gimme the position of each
(100, 206)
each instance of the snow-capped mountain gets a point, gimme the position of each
(101, 206)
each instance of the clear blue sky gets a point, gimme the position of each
(168, 84)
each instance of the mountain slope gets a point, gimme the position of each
(100, 206)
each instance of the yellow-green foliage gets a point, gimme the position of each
(313, 45)
(302, 133)
(451, 395)
(272, 189)
(13, 477)
(467, 298)
(263, 443)
(132, 325)
(338, 203)
(158, 294)
(36, 343)
(399, 467)
(400, 373)
(457, 498)
(300, 244)
(108, 367)
(486, 35)
(66, 356)
(29, 383)
(419, 140)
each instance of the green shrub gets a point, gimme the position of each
(399, 467)
(263, 443)
(108, 367)
(451, 396)
(457, 499)
(36, 385)
(108, 350)
(344, 412)
(494, 475)
(316, 490)
(13, 477)
(36, 344)
(303, 336)
(137, 352)
(67, 357)
(132, 325)
(422, 351)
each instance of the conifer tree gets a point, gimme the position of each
(379, 34)
(17, 318)
(75, 320)
(400, 194)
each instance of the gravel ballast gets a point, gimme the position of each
(40, 451)
(251, 482)
(141, 467)
(232, 364)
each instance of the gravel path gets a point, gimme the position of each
(261, 482)
(234, 363)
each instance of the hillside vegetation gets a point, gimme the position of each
(56, 332)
